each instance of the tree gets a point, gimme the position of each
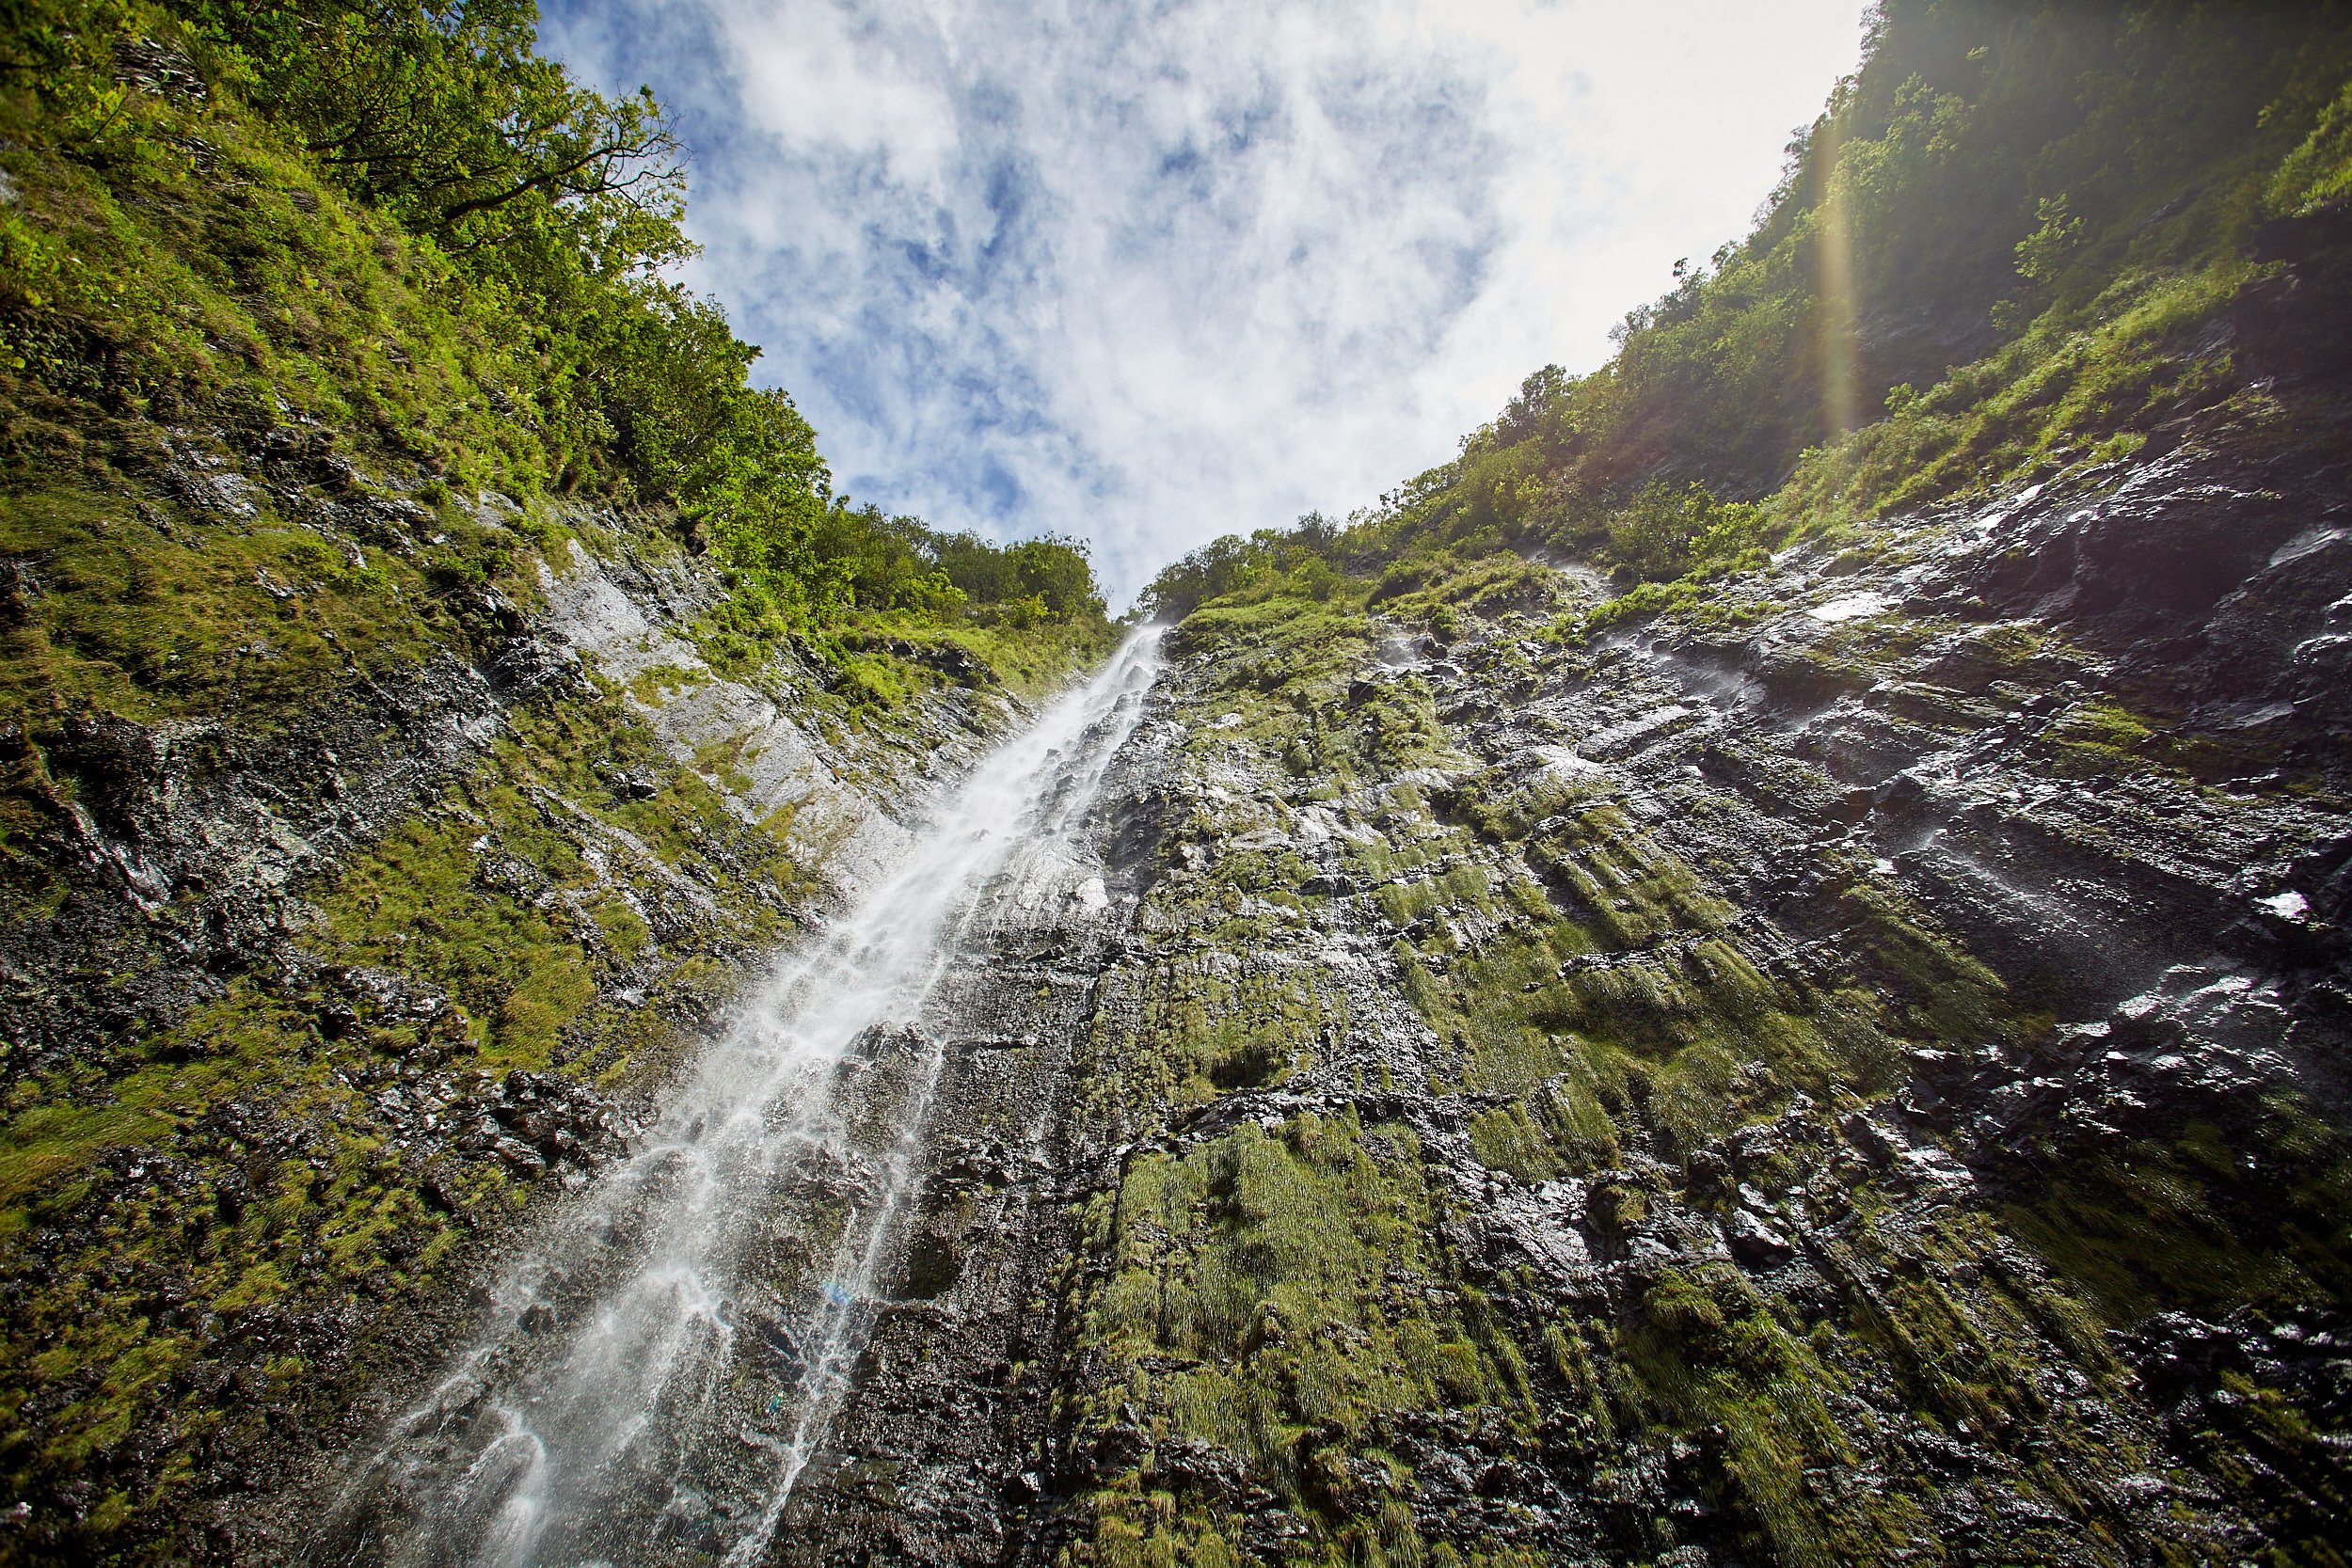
(442, 113)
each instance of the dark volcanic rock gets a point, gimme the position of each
(1805, 1026)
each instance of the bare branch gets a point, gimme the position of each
(661, 142)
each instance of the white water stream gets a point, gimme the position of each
(665, 1357)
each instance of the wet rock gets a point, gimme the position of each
(947, 659)
(158, 68)
(1898, 745)
(17, 590)
(1876, 1142)
(1755, 1241)
(1200, 1467)
(635, 784)
(1269, 1533)
(1883, 921)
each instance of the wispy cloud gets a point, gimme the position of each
(1150, 274)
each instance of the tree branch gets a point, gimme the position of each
(660, 142)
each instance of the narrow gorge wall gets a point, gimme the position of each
(328, 998)
(1826, 1056)
(1847, 1069)
(1849, 1073)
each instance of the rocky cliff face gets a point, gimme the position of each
(1850, 1073)
(320, 1005)
(1835, 1057)
(1847, 1069)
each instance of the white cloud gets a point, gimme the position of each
(830, 86)
(1147, 275)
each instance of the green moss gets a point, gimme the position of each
(2101, 725)
(1278, 1284)
(487, 894)
(130, 608)
(1200, 1031)
(2317, 174)
(1276, 661)
(2192, 1222)
(1507, 1138)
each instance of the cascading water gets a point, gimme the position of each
(666, 1357)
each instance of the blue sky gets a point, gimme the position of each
(1147, 274)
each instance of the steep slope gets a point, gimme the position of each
(1849, 1072)
(662, 1357)
(1727, 979)
(311, 1011)
(1853, 1073)
(435, 682)
(1716, 981)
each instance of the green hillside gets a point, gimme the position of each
(335, 253)
(2022, 239)
(333, 338)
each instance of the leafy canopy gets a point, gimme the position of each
(529, 223)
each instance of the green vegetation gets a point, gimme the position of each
(324, 329)
(259, 258)
(257, 1162)
(1290, 1301)
(2022, 241)
(1999, 253)
(2318, 174)
(1288, 1291)
(327, 331)
(1288, 1297)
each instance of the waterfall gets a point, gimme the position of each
(667, 1350)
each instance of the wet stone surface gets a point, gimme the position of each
(1861, 1085)
(308, 1012)
(1852, 1071)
